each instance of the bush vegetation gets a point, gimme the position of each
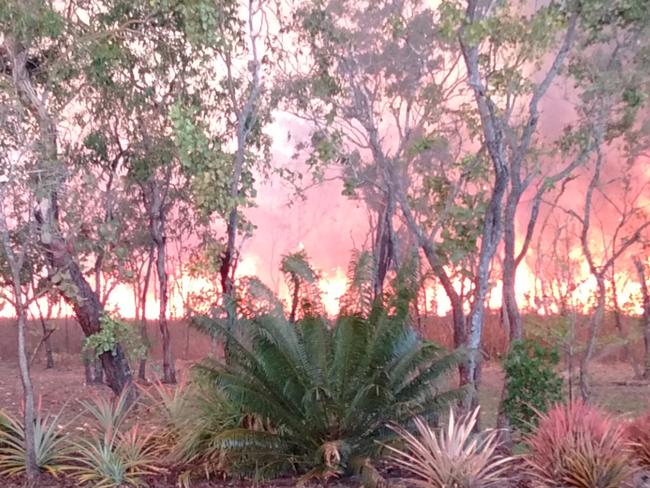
(316, 399)
(532, 383)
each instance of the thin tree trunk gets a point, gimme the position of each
(627, 351)
(16, 264)
(645, 293)
(595, 322)
(169, 370)
(157, 219)
(227, 269)
(490, 238)
(510, 313)
(142, 369)
(28, 392)
(246, 120)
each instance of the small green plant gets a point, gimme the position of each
(49, 444)
(531, 381)
(111, 456)
(452, 456)
(112, 333)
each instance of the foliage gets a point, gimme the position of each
(578, 446)
(302, 281)
(206, 412)
(115, 332)
(113, 456)
(638, 436)
(531, 381)
(320, 397)
(49, 445)
(359, 295)
(453, 456)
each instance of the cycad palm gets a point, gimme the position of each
(327, 394)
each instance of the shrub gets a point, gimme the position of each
(578, 446)
(49, 444)
(531, 381)
(189, 417)
(113, 456)
(452, 457)
(318, 398)
(638, 436)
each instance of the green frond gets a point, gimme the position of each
(319, 396)
(432, 372)
(297, 264)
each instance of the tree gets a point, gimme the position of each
(302, 281)
(35, 31)
(222, 180)
(599, 266)
(379, 91)
(18, 248)
(645, 295)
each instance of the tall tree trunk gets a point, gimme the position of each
(142, 368)
(385, 247)
(595, 322)
(16, 264)
(31, 467)
(247, 114)
(169, 370)
(510, 313)
(645, 293)
(490, 239)
(157, 220)
(227, 271)
(618, 321)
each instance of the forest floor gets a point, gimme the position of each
(62, 389)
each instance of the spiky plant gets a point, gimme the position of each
(638, 437)
(453, 456)
(49, 444)
(323, 396)
(110, 455)
(188, 417)
(578, 446)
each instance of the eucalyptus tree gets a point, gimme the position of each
(41, 48)
(20, 266)
(512, 61)
(219, 132)
(380, 87)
